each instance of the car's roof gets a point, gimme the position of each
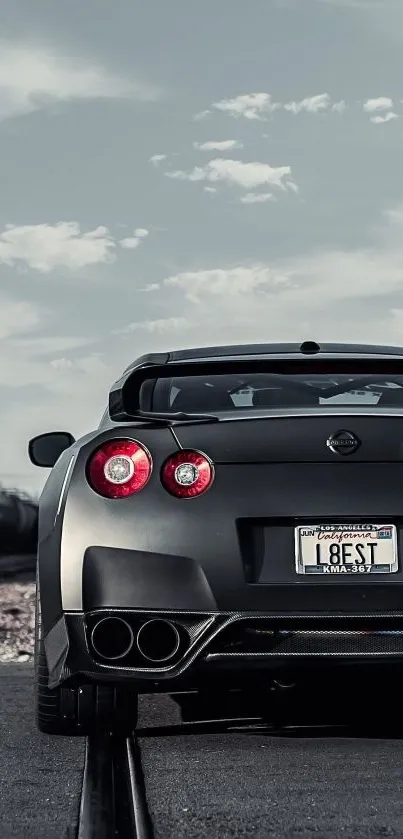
(239, 350)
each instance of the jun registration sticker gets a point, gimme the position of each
(358, 549)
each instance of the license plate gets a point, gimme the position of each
(346, 549)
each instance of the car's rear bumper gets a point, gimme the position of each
(130, 579)
(225, 646)
(223, 631)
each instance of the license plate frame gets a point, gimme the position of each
(355, 533)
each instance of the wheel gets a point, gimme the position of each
(79, 711)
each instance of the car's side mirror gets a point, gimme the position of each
(45, 449)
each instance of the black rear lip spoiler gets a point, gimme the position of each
(169, 419)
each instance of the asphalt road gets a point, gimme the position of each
(39, 778)
(223, 785)
(261, 786)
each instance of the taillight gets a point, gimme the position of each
(119, 468)
(187, 474)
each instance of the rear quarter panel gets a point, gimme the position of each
(50, 527)
(143, 521)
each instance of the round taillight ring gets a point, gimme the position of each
(187, 473)
(119, 468)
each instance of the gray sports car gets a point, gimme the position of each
(232, 529)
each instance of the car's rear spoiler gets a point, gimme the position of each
(124, 396)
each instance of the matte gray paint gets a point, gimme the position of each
(279, 479)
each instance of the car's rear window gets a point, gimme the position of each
(272, 390)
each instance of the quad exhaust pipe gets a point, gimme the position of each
(157, 640)
(112, 638)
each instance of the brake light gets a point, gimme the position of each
(187, 474)
(119, 468)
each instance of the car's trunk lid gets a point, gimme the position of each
(368, 438)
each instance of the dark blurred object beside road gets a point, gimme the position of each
(18, 536)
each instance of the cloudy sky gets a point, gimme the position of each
(178, 174)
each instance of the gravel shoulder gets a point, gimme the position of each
(17, 621)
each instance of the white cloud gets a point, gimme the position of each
(248, 175)
(221, 282)
(245, 175)
(156, 159)
(202, 115)
(381, 103)
(133, 242)
(159, 326)
(249, 105)
(62, 363)
(339, 107)
(96, 369)
(130, 243)
(218, 145)
(315, 281)
(311, 104)
(44, 247)
(150, 287)
(211, 189)
(197, 174)
(257, 106)
(17, 317)
(91, 364)
(36, 77)
(257, 197)
(386, 118)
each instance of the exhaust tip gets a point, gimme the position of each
(112, 638)
(158, 640)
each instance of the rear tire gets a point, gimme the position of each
(78, 711)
